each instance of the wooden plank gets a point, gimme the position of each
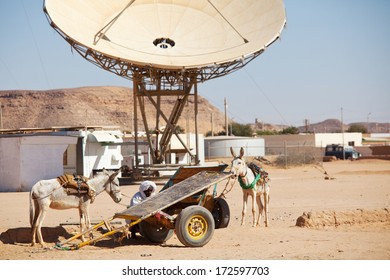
(185, 172)
(197, 183)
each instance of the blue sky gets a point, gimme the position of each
(333, 54)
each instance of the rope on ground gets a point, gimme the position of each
(322, 169)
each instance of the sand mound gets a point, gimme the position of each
(332, 218)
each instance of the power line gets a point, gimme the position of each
(10, 72)
(266, 97)
(36, 45)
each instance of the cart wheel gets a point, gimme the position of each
(221, 213)
(154, 233)
(194, 226)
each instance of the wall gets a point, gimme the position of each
(24, 160)
(275, 143)
(10, 164)
(70, 167)
(323, 139)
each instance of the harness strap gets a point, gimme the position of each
(251, 185)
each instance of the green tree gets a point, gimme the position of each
(266, 132)
(357, 128)
(241, 129)
(290, 130)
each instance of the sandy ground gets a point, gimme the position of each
(358, 187)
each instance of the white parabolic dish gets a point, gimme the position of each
(169, 34)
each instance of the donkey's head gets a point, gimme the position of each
(238, 166)
(112, 185)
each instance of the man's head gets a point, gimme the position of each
(147, 189)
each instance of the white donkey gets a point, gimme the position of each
(257, 187)
(47, 194)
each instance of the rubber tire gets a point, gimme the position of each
(155, 234)
(221, 213)
(189, 221)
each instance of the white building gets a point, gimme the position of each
(29, 156)
(26, 159)
(95, 150)
(346, 139)
(177, 154)
(319, 140)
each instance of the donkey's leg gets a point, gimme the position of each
(88, 220)
(41, 217)
(82, 222)
(253, 196)
(34, 233)
(244, 201)
(266, 205)
(36, 210)
(261, 208)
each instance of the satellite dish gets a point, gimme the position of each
(210, 37)
(167, 46)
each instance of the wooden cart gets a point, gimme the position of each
(187, 208)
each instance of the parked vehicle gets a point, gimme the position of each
(342, 152)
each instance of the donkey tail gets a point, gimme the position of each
(32, 208)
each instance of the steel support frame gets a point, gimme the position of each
(154, 95)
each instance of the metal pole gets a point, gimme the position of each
(212, 124)
(1, 116)
(368, 123)
(285, 154)
(135, 92)
(342, 132)
(226, 119)
(196, 123)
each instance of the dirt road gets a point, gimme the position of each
(358, 196)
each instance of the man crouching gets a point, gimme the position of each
(146, 189)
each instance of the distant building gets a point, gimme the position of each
(219, 146)
(318, 140)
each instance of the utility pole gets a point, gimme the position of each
(368, 122)
(212, 124)
(306, 125)
(342, 132)
(226, 119)
(1, 116)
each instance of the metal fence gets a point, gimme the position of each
(283, 154)
(294, 154)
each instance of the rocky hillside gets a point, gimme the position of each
(95, 106)
(334, 126)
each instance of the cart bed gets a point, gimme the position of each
(185, 172)
(172, 195)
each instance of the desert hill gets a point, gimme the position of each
(95, 106)
(335, 125)
(113, 106)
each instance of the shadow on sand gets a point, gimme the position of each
(23, 235)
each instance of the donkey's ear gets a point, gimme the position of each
(232, 152)
(113, 175)
(241, 152)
